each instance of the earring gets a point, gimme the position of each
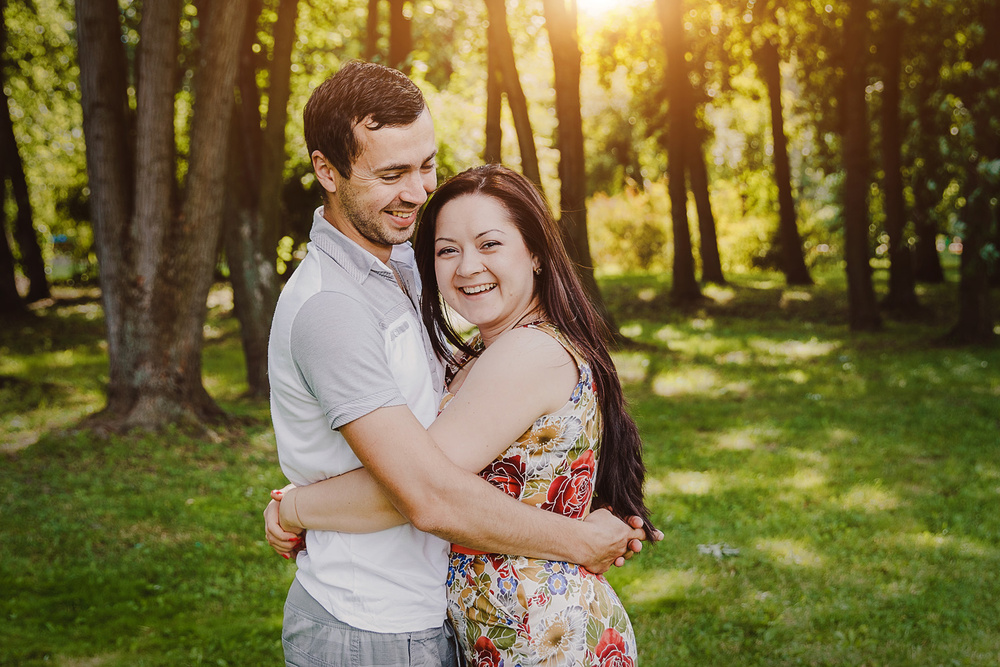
(538, 270)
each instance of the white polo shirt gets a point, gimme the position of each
(345, 341)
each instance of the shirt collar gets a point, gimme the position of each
(357, 261)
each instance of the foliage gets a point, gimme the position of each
(839, 467)
(40, 76)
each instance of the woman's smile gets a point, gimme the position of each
(484, 270)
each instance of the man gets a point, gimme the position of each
(354, 382)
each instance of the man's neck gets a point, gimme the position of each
(344, 226)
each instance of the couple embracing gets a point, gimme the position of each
(440, 510)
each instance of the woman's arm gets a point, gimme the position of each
(523, 375)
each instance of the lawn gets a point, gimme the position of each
(828, 498)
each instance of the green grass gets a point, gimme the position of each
(857, 475)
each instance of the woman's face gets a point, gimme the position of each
(484, 270)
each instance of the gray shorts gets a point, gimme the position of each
(312, 637)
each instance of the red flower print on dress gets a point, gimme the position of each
(610, 650)
(570, 495)
(486, 653)
(506, 474)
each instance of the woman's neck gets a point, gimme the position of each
(532, 314)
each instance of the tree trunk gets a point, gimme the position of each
(492, 150)
(685, 286)
(103, 87)
(371, 31)
(976, 314)
(257, 160)
(902, 295)
(32, 262)
(694, 158)
(863, 307)
(560, 22)
(195, 239)
(926, 260)
(793, 263)
(511, 82)
(10, 298)
(156, 273)
(400, 35)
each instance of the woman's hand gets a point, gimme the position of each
(287, 543)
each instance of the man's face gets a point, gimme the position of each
(390, 180)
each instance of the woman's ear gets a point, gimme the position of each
(326, 174)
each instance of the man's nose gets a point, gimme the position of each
(416, 188)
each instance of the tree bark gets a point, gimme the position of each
(156, 272)
(506, 64)
(400, 35)
(793, 263)
(492, 150)
(257, 158)
(863, 307)
(104, 97)
(926, 260)
(371, 30)
(154, 379)
(902, 296)
(32, 262)
(711, 264)
(10, 299)
(678, 88)
(560, 22)
(976, 313)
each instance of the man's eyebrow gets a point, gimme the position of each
(403, 167)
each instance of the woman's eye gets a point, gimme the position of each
(490, 244)
(445, 251)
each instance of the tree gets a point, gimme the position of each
(863, 308)
(694, 158)
(927, 170)
(371, 30)
(902, 296)
(10, 299)
(560, 22)
(400, 34)
(503, 68)
(12, 170)
(678, 90)
(793, 263)
(256, 165)
(979, 90)
(156, 241)
(492, 146)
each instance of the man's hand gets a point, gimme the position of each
(286, 543)
(614, 540)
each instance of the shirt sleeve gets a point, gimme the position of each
(339, 352)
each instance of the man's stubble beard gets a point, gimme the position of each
(368, 222)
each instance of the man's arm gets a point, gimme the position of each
(440, 498)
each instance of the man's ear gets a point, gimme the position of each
(326, 173)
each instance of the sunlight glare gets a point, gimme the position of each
(597, 9)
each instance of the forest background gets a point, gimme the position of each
(824, 176)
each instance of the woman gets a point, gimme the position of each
(540, 375)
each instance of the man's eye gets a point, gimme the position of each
(429, 167)
(390, 178)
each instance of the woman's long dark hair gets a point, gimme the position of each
(620, 473)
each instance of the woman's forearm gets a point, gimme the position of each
(351, 503)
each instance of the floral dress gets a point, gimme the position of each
(513, 610)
